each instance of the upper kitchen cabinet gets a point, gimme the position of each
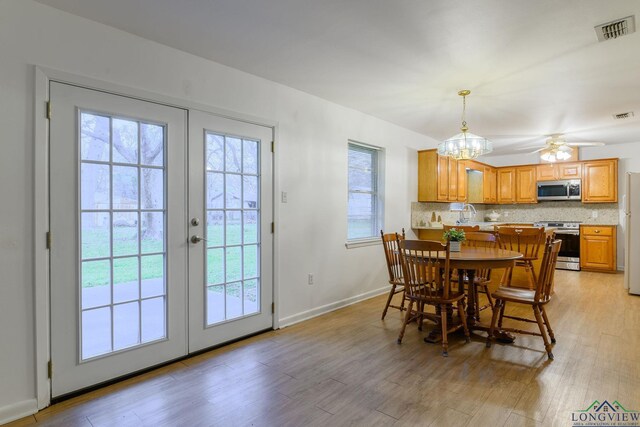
(462, 181)
(517, 185)
(600, 181)
(526, 189)
(490, 184)
(556, 171)
(506, 185)
(440, 178)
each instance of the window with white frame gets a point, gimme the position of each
(365, 201)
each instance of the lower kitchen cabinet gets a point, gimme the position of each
(598, 248)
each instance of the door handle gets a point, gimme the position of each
(197, 239)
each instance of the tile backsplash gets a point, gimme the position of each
(605, 213)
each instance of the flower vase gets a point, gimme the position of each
(454, 246)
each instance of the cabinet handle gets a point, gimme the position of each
(596, 231)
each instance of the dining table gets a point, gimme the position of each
(467, 262)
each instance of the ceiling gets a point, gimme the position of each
(534, 68)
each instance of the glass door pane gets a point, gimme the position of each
(122, 212)
(232, 227)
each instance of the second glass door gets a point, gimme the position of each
(230, 258)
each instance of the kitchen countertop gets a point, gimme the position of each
(488, 225)
(484, 226)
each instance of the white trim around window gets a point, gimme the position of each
(365, 194)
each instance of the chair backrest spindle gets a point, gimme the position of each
(426, 268)
(547, 269)
(391, 254)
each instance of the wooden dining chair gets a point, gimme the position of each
(427, 282)
(480, 239)
(537, 299)
(465, 228)
(390, 245)
(527, 241)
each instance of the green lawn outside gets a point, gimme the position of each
(95, 243)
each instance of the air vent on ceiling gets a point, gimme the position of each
(615, 29)
(623, 116)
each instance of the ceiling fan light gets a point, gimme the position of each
(565, 149)
(563, 155)
(548, 156)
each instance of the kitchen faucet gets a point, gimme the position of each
(462, 218)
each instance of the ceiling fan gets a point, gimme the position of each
(556, 147)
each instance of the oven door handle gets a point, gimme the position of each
(571, 232)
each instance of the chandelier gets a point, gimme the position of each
(465, 145)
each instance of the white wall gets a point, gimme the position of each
(312, 153)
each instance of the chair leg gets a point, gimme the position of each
(546, 322)
(489, 298)
(386, 307)
(463, 319)
(406, 320)
(476, 297)
(420, 308)
(443, 322)
(502, 307)
(547, 344)
(404, 299)
(496, 311)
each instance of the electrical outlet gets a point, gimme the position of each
(310, 278)
(594, 214)
(284, 197)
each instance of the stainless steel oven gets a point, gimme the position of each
(569, 233)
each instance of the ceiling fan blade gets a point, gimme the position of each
(538, 150)
(585, 144)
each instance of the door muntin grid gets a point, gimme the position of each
(232, 223)
(122, 233)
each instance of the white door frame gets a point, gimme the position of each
(43, 76)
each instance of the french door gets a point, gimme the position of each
(230, 205)
(129, 289)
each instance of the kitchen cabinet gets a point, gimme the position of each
(462, 181)
(506, 185)
(569, 170)
(517, 185)
(452, 170)
(490, 184)
(556, 171)
(526, 188)
(600, 181)
(440, 178)
(598, 247)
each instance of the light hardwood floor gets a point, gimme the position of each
(345, 368)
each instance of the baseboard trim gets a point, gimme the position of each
(18, 410)
(327, 308)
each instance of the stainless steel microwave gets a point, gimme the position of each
(568, 189)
